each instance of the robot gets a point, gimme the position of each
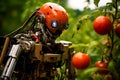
(32, 53)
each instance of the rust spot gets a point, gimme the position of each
(48, 13)
(50, 7)
(56, 10)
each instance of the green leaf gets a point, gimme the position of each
(85, 17)
(79, 45)
(88, 1)
(111, 66)
(96, 2)
(90, 71)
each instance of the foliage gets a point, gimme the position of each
(85, 39)
(10, 12)
(80, 32)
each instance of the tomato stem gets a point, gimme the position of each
(102, 59)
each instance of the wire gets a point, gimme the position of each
(24, 24)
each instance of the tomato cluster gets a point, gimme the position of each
(80, 60)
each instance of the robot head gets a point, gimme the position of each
(56, 17)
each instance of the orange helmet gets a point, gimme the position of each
(55, 15)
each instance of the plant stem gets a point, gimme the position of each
(112, 32)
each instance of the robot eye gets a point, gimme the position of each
(54, 23)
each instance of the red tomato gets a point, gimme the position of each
(102, 25)
(108, 77)
(117, 30)
(102, 65)
(80, 60)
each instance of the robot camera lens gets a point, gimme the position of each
(54, 24)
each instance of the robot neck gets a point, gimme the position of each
(45, 36)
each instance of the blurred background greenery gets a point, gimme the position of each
(13, 13)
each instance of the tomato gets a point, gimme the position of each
(80, 60)
(102, 25)
(109, 77)
(117, 30)
(102, 66)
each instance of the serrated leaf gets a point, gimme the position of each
(96, 2)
